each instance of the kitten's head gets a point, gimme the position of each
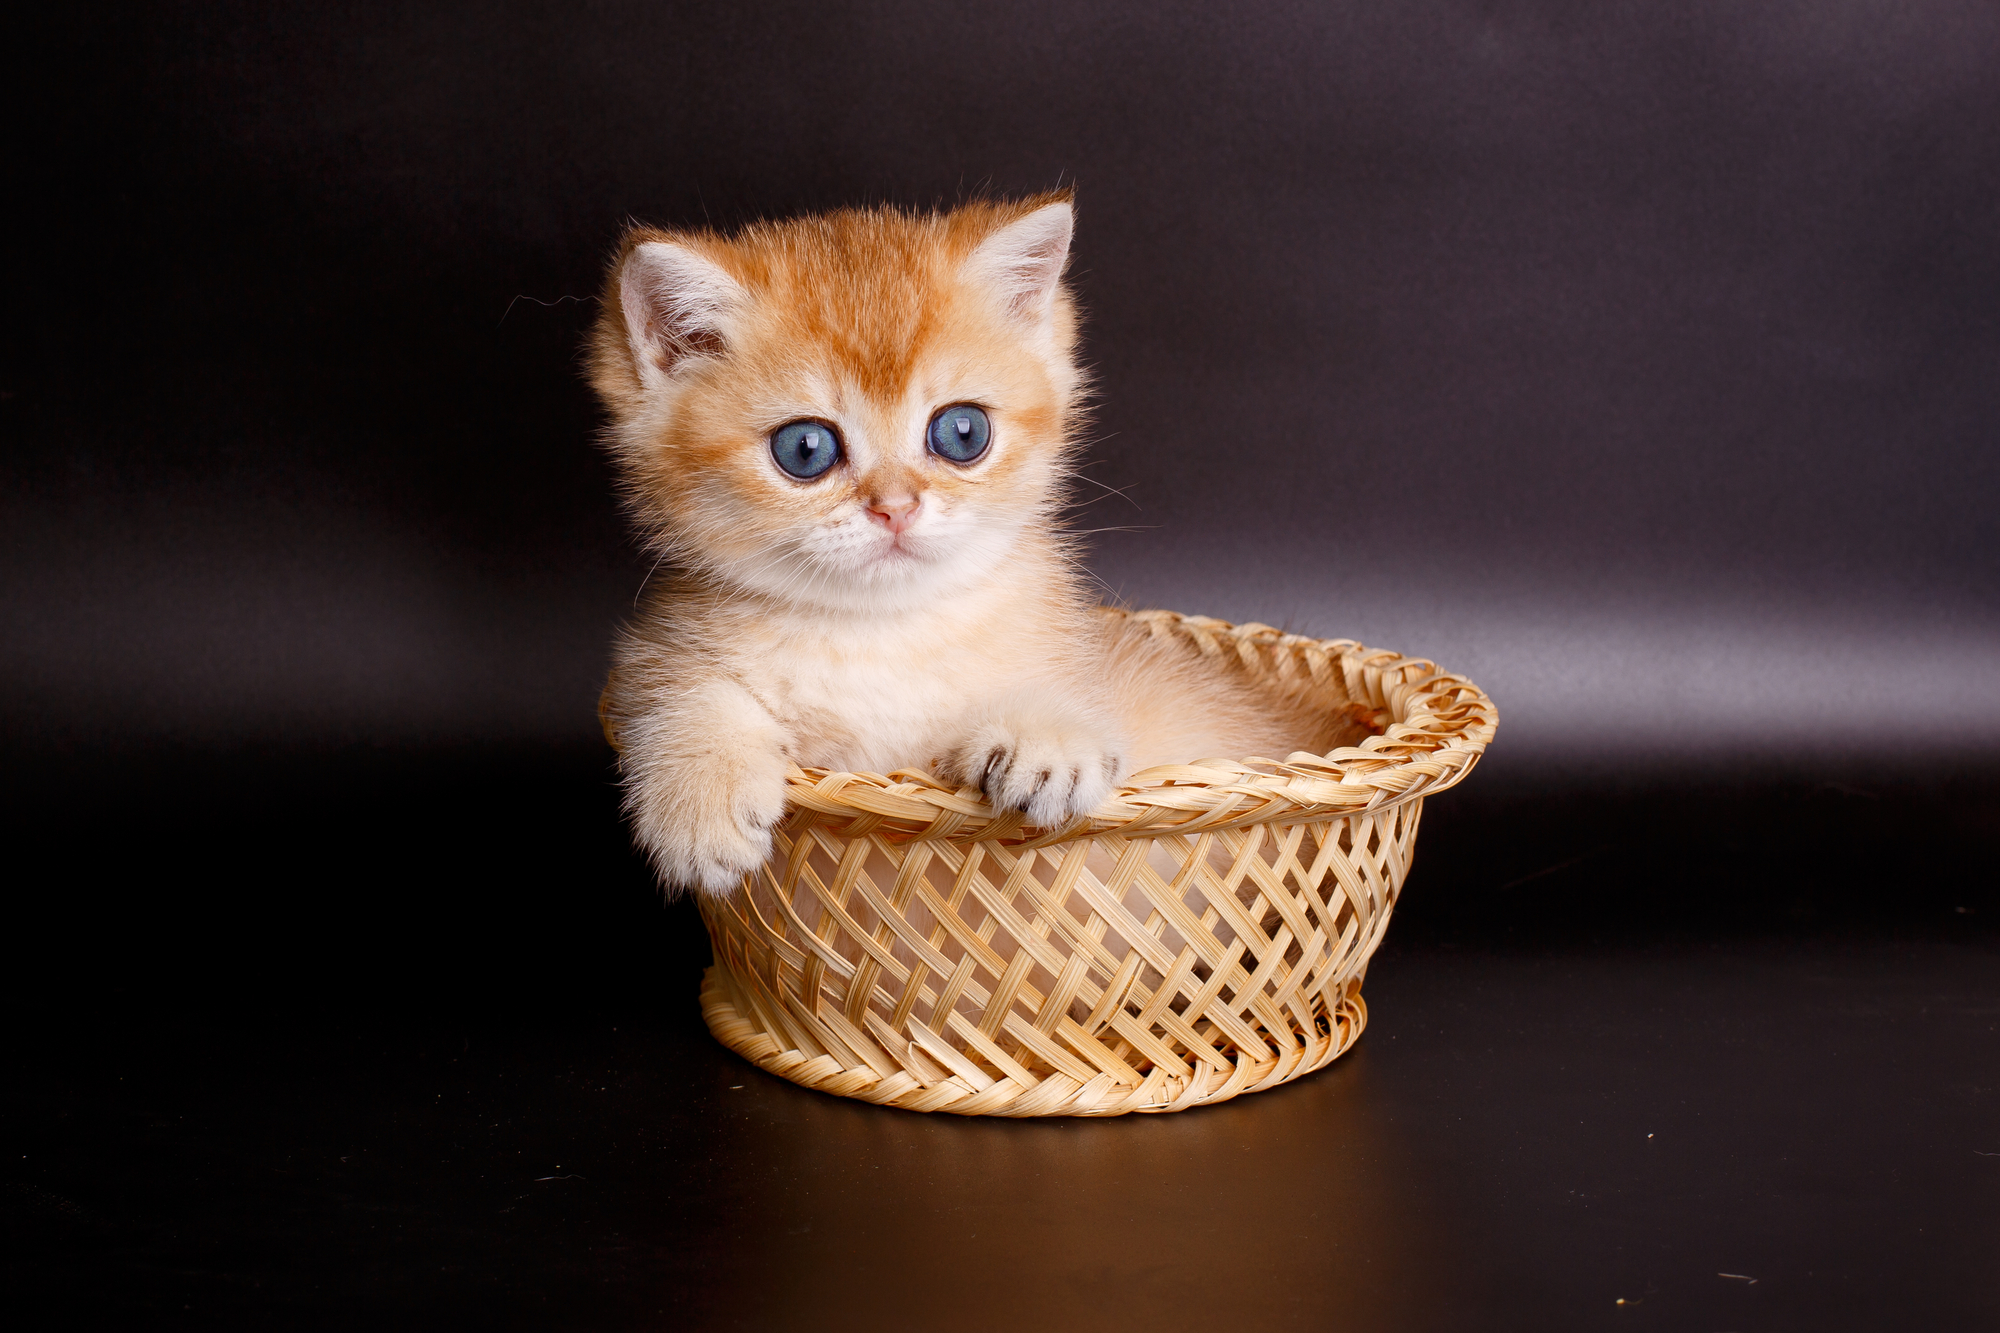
(860, 410)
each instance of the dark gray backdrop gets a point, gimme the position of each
(1638, 361)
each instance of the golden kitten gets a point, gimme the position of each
(848, 437)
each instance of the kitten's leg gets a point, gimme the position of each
(1037, 751)
(704, 784)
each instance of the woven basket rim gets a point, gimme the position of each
(1442, 724)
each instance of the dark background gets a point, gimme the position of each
(1640, 362)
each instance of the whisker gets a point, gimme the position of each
(1118, 491)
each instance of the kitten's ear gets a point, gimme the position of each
(677, 305)
(1023, 261)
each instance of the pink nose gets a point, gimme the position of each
(894, 512)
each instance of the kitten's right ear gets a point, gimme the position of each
(677, 304)
(1023, 261)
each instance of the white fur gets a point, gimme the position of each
(868, 691)
(705, 783)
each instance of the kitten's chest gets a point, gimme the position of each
(875, 701)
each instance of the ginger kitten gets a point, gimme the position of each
(848, 436)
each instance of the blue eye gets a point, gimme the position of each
(804, 449)
(960, 433)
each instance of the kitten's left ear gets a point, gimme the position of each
(1023, 261)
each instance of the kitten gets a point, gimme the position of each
(848, 436)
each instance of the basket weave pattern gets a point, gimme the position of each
(1202, 934)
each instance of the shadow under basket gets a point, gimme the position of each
(1202, 934)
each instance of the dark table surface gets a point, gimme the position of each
(405, 1039)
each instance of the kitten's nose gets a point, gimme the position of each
(895, 512)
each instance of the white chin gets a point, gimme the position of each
(893, 566)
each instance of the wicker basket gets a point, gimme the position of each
(1202, 934)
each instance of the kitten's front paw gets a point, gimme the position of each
(707, 826)
(1053, 768)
